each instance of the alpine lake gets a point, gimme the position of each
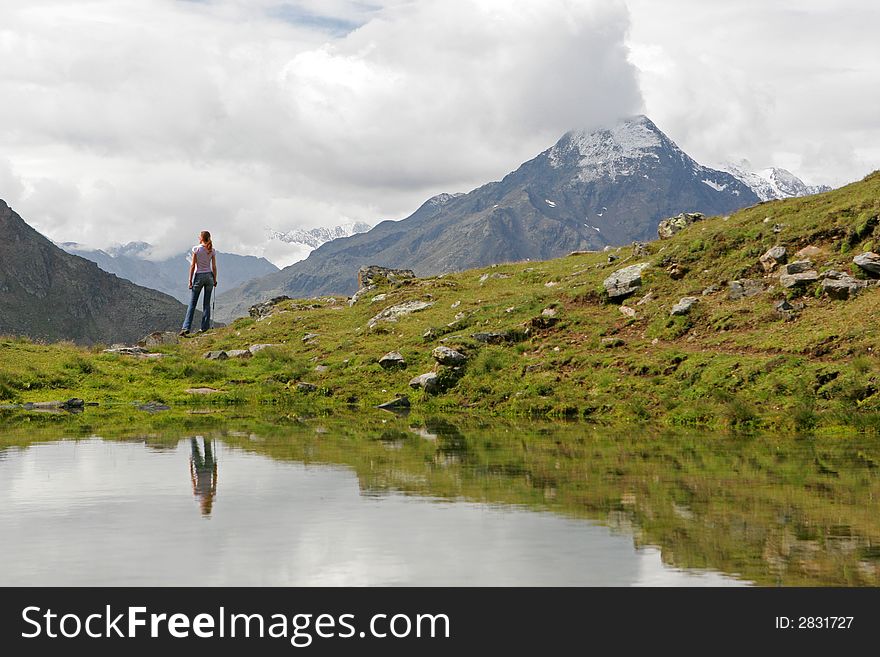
(266, 496)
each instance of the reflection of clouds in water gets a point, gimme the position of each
(653, 572)
(116, 513)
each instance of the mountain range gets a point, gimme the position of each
(168, 275)
(773, 183)
(48, 294)
(590, 190)
(315, 237)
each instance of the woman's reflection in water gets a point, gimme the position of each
(203, 473)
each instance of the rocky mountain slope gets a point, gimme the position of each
(130, 261)
(48, 294)
(773, 183)
(588, 191)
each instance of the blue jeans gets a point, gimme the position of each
(205, 281)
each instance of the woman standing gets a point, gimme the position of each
(204, 266)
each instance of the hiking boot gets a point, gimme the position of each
(184, 333)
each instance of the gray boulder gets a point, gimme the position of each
(302, 386)
(215, 355)
(256, 348)
(869, 261)
(308, 337)
(427, 382)
(801, 279)
(797, 267)
(239, 353)
(266, 308)
(391, 360)
(840, 285)
(774, 257)
(669, 227)
(123, 350)
(624, 281)
(158, 339)
(376, 275)
(683, 307)
(394, 313)
(399, 403)
(744, 288)
(447, 356)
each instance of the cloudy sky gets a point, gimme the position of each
(149, 120)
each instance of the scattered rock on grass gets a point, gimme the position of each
(627, 311)
(624, 281)
(801, 279)
(838, 285)
(869, 261)
(394, 313)
(546, 319)
(376, 275)
(158, 339)
(683, 307)
(215, 355)
(797, 267)
(124, 350)
(744, 288)
(427, 382)
(669, 227)
(774, 257)
(399, 403)
(302, 386)
(256, 348)
(391, 360)
(447, 356)
(201, 391)
(239, 353)
(266, 308)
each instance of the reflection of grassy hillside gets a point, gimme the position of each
(728, 364)
(774, 510)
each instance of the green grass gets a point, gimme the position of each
(729, 364)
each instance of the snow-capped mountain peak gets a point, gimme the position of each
(772, 183)
(614, 151)
(315, 237)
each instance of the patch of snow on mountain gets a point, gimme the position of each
(550, 203)
(714, 185)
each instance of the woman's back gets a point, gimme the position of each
(203, 258)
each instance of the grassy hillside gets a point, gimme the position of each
(729, 363)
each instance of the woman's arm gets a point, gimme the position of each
(214, 267)
(192, 268)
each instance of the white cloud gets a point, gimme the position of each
(791, 83)
(150, 121)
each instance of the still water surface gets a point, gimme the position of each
(202, 512)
